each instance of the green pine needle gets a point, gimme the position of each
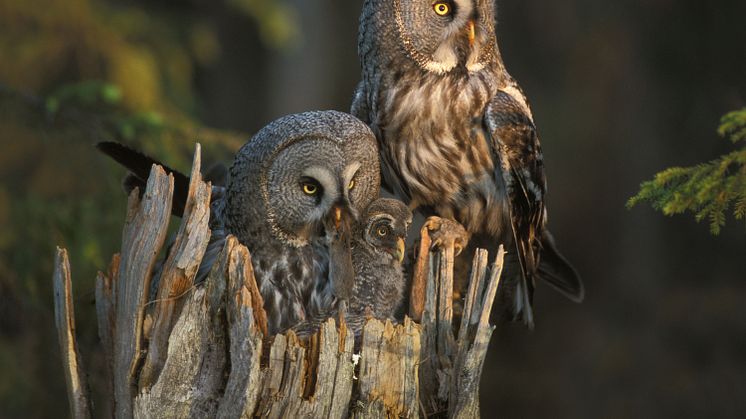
(707, 190)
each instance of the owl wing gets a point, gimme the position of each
(516, 149)
(519, 166)
(359, 108)
(218, 233)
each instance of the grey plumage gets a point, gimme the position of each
(377, 253)
(269, 208)
(293, 194)
(456, 133)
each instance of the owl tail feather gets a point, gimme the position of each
(522, 304)
(555, 270)
(140, 164)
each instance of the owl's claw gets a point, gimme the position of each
(436, 232)
(446, 233)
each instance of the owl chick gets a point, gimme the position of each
(294, 192)
(377, 254)
(456, 134)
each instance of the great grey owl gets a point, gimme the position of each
(456, 134)
(377, 254)
(294, 192)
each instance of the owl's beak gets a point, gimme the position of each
(337, 217)
(400, 249)
(472, 31)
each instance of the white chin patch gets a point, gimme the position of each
(444, 59)
(475, 67)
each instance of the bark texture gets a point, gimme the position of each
(202, 351)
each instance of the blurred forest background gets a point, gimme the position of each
(620, 91)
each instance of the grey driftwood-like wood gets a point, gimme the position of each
(178, 271)
(201, 351)
(64, 315)
(142, 239)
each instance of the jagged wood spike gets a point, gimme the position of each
(105, 314)
(245, 336)
(444, 279)
(217, 364)
(476, 286)
(179, 270)
(64, 314)
(464, 394)
(144, 234)
(192, 379)
(419, 278)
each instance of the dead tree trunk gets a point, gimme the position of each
(202, 351)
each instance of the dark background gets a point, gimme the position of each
(620, 90)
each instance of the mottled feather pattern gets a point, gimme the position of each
(292, 266)
(516, 144)
(287, 230)
(455, 131)
(379, 285)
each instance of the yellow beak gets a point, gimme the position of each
(400, 248)
(472, 32)
(337, 217)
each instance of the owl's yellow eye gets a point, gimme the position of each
(382, 231)
(442, 9)
(310, 189)
(351, 185)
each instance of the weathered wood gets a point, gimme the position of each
(191, 380)
(389, 364)
(473, 344)
(64, 315)
(208, 354)
(105, 314)
(419, 278)
(142, 239)
(435, 362)
(179, 270)
(245, 335)
(443, 262)
(448, 382)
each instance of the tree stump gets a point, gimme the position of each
(202, 351)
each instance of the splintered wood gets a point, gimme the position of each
(202, 351)
(77, 389)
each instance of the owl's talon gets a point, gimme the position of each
(446, 233)
(457, 249)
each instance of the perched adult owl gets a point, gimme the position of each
(294, 192)
(456, 134)
(377, 253)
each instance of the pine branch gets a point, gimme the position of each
(707, 190)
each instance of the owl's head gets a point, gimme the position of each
(386, 224)
(440, 36)
(302, 175)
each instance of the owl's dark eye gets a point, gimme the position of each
(382, 231)
(310, 189)
(442, 8)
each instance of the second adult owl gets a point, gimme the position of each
(456, 134)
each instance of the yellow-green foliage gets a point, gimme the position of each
(75, 72)
(708, 190)
(277, 22)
